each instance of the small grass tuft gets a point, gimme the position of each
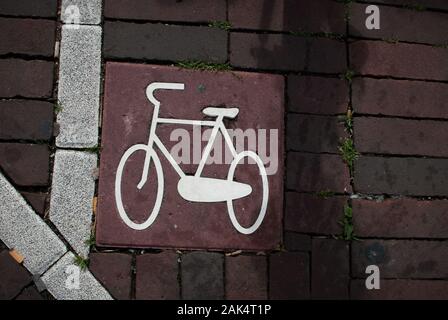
(391, 40)
(348, 233)
(348, 152)
(441, 45)
(96, 149)
(81, 262)
(347, 3)
(58, 107)
(328, 35)
(415, 6)
(325, 194)
(204, 66)
(347, 16)
(348, 75)
(223, 25)
(91, 241)
(349, 122)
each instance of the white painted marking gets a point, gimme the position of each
(217, 112)
(152, 217)
(264, 202)
(192, 188)
(199, 189)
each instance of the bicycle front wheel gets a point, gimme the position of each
(118, 181)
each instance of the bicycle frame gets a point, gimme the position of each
(217, 125)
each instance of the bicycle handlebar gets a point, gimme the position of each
(161, 85)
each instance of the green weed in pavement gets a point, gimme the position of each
(347, 225)
(348, 152)
(223, 25)
(204, 66)
(81, 262)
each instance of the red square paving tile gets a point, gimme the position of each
(114, 272)
(297, 242)
(13, 277)
(25, 164)
(330, 269)
(246, 277)
(202, 276)
(36, 200)
(157, 276)
(190, 212)
(289, 276)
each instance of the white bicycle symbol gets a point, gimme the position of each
(192, 188)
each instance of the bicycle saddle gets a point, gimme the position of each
(225, 112)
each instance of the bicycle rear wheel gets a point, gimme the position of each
(265, 193)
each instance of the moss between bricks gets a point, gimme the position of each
(347, 224)
(96, 149)
(325, 194)
(223, 25)
(391, 40)
(441, 45)
(347, 3)
(349, 155)
(329, 35)
(203, 66)
(58, 107)
(347, 147)
(91, 241)
(348, 75)
(414, 6)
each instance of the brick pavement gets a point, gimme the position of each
(394, 82)
(27, 67)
